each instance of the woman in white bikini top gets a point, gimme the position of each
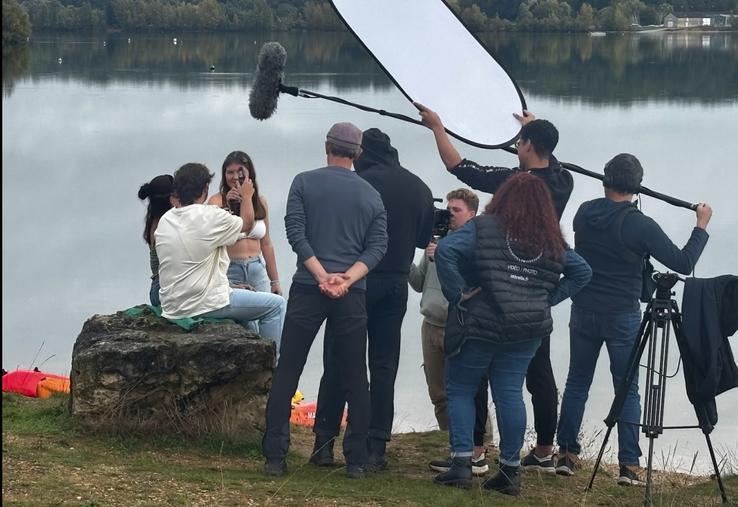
(247, 267)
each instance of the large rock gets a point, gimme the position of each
(142, 372)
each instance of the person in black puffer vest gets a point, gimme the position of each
(409, 205)
(501, 275)
(535, 146)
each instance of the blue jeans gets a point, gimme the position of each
(588, 330)
(247, 306)
(251, 271)
(154, 292)
(506, 365)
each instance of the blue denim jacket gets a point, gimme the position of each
(455, 250)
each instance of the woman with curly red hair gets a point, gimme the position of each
(501, 273)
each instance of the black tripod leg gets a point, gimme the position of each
(648, 499)
(599, 459)
(644, 332)
(719, 479)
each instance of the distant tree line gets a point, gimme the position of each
(234, 15)
(16, 24)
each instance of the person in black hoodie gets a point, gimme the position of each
(535, 145)
(614, 237)
(409, 205)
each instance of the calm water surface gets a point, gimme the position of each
(87, 120)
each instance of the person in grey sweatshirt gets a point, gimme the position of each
(463, 205)
(337, 225)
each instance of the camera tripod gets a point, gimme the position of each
(661, 315)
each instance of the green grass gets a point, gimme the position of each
(49, 460)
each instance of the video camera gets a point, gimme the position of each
(441, 220)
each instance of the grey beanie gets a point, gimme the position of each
(345, 135)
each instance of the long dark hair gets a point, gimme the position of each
(525, 211)
(241, 158)
(157, 191)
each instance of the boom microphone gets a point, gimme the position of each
(267, 80)
(268, 85)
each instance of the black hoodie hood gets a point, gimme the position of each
(407, 200)
(377, 150)
(600, 213)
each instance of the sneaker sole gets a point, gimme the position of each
(624, 481)
(538, 468)
(480, 470)
(456, 484)
(439, 468)
(322, 462)
(505, 491)
(564, 471)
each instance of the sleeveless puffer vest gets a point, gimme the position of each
(513, 304)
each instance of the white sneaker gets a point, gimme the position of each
(480, 465)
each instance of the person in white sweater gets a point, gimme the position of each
(191, 241)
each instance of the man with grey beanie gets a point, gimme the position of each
(615, 238)
(409, 205)
(337, 225)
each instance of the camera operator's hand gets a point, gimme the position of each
(704, 214)
(430, 250)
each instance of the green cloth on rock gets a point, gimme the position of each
(187, 323)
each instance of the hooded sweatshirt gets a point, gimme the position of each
(408, 201)
(614, 237)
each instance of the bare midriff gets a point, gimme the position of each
(243, 248)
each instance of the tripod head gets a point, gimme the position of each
(664, 283)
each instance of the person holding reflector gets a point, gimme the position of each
(536, 143)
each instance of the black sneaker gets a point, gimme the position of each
(568, 464)
(322, 455)
(505, 481)
(377, 460)
(533, 462)
(631, 475)
(275, 468)
(458, 475)
(376, 463)
(480, 465)
(441, 465)
(355, 471)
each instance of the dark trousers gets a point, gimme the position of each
(386, 302)
(306, 310)
(541, 385)
(481, 411)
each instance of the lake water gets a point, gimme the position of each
(88, 119)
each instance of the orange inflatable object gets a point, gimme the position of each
(303, 414)
(36, 384)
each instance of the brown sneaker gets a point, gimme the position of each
(567, 464)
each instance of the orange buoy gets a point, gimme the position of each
(303, 414)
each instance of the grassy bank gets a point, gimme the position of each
(49, 460)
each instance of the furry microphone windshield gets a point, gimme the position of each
(267, 80)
